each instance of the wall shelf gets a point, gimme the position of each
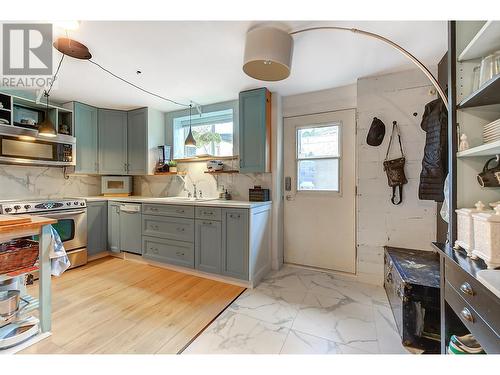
(487, 40)
(170, 173)
(488, 149)
(229, 171)
(206, 158)
(487, 94)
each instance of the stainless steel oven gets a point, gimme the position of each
(71, 216)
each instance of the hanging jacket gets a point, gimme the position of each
(435, 160)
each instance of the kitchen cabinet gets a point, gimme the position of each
(137, 142)
(208, 246)
(97, 227)
(117, 142)
(86, 133)
(130, 228)
(114, 227)
(112, 141)
(235, 243)
(163, 250)
(255, 130)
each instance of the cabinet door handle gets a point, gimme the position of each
(125, 167)
(179, 229)
(155, 250)
(467, 315)
(465, 288)
(153, 209)
(207, 213)
(207, 223)
(155, 227)
(179, 253)
(179, 211)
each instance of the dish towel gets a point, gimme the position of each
(59, 261)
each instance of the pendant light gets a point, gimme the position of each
(46, 128)
(190, 141)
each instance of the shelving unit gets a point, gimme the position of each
(463, 312)
(38, 226)
(487, 149)
(58, 115)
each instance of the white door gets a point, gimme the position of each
(320, 175)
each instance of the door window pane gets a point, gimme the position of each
(319, 174)
(318, 142)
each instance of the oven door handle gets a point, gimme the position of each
(62, 214)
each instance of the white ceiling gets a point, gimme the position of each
(201, 60)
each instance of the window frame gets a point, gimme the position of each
(215, 107)
(338, 192)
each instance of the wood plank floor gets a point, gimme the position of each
(117, 306)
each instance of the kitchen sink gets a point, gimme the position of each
(188, 199)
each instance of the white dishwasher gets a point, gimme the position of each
(131, 228)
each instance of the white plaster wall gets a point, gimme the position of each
(334, 99)
(413, 223)
(23, 182)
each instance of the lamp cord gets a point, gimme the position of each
(138, 87)
(47, 92)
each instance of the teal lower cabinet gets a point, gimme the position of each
(114, 227)
(179, 253)
(235, 245)
(230, 242)
(97, 227)
(208, 246)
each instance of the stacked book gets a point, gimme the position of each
(464, 345)
(491, 132)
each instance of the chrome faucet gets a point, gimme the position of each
(194, 191)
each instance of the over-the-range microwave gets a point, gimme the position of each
(19, 149)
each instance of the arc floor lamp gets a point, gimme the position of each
(268, 53)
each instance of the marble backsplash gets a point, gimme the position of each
(28, 182)
(210, 185)
(23, 182)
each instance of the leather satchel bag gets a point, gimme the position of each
(394, 168)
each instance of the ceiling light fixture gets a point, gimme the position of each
(46, 128)
(190, 141)
(268, 53)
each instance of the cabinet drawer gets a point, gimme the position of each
(171, 228)
(168, 210)
(489, 340)
(485, 302)
(208, 213)
(168, 251)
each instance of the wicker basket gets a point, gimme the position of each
(18, 254)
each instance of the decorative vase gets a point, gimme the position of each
(173, 169)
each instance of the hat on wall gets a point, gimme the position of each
(376, 133)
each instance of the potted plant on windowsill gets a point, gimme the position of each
(172, 166)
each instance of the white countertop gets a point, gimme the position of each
(169, 200)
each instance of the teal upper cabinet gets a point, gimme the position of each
(255, 130)
(86, 135)
(112, 142)
(137, 145)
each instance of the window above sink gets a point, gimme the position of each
(213, 132)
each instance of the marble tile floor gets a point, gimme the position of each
(301, 311)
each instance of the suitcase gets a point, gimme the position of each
(412, 286)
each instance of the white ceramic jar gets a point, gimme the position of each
(465, 228)
(487, 237)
